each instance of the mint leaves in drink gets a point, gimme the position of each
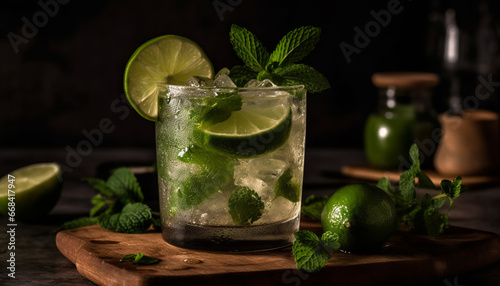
(281, 66)
(215, 109)
(286, 187)
(245, 206)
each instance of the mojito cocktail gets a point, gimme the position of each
(230, 165)
(230, 147)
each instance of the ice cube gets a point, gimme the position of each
(223, 80)
(199, 81)
(252, 83)
(225, 71)
(268, 170)
(214, 210)
(279, 209)
(259, 83)
(266, 83)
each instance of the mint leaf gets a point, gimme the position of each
(245, 206)
(99, 203)
(407, 185)
(295, 74)
(128, 258)
(424, 181)
(330, 241)
(414, 155)
(133, 218)
(435, 223)
(286, 187)
(385, 184)
(147, 260)
(208, 160)
(407, 178)
(125, 185)
(438, 201)
(217, 172)
(240, 75)
(426, 201)
(452, 189)
(79, 222)
(100, 185)
(294, 46)
(427, 220)
(248, 48)
(313, 205)
(215, 109)
(139, 259)
(311, 253)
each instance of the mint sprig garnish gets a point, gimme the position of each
(312, 253)
(281, 66)
(118, 206)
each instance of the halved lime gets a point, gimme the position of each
(170, 59)
(249, 132)
(34, 191)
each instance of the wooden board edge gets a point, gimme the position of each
(69, 245)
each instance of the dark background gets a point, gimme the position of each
(65, 76)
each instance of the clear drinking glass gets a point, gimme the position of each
(230, 166)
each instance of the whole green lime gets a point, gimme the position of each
(362, 215)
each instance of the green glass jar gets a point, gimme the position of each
(404, 116)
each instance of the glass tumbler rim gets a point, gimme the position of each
(206, 91)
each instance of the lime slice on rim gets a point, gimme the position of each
(171, 59)
(35, 190)
(249, 132)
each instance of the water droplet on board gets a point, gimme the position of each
(192, 261)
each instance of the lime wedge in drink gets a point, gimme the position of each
(34, 191)
(249, 132)
(170, 59)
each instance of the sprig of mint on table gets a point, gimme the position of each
(118, 206)
(421, 215)
(281, 66)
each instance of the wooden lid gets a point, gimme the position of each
(407, 80)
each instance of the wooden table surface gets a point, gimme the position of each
(38, 261)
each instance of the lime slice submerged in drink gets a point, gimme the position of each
(30, 192)
(249, 132)
(170, 59)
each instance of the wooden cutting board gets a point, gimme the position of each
(408, 258)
